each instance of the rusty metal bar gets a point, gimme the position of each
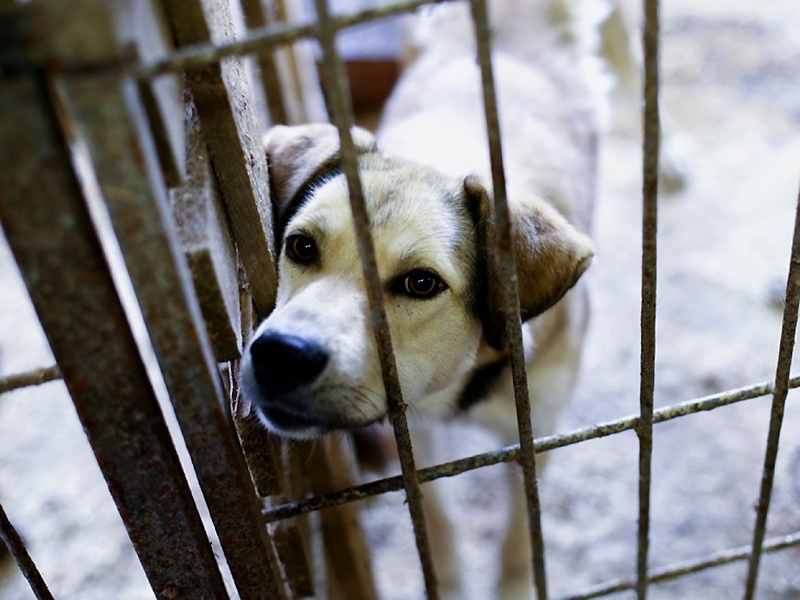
(263, 38)
(257, 16)
(509, 454)
(114, 156)
(62, 262)
(341, 112)
(230, 126)
(202, 227)
(15, 545)
(650, 150)
(262, 448)
(30, 378)
(299, 72)
(137, 205)
(389, 484)
(717, 559)
(510, 295)
(779, 394)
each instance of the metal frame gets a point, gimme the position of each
(56, 127)
(650, 152)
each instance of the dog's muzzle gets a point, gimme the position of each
(282, 365)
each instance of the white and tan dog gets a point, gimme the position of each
(312, 365)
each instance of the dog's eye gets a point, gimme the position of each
(301, 248)
(421, 284)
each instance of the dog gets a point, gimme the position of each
(312, 366)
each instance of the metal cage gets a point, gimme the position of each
(90, 93)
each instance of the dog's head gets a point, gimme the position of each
(312, 365)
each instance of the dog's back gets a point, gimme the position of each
(550, 89)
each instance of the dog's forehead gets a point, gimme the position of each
(416, 216)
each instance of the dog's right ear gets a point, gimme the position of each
(300, 155)
(550, 255)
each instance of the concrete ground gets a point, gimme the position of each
(731, 83)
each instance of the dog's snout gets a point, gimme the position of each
(283, 363)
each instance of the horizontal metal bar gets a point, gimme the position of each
(717, 559)
(15, 545)
(263, 38)
(510, 453)
(29, 378)
(647, 379)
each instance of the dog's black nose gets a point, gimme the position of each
(283, 363)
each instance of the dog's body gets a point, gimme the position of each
(548, 93)
(312, 366)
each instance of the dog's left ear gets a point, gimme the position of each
(551, 255)
(299, 155)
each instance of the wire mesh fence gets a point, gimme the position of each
(96, 115)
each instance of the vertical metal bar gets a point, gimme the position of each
(650, 149)
(779, 394)
(48, 227)
(527, 458)
(14, 543)
(112, 120)
(341, 112)
(256, 15)
(227, 114)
